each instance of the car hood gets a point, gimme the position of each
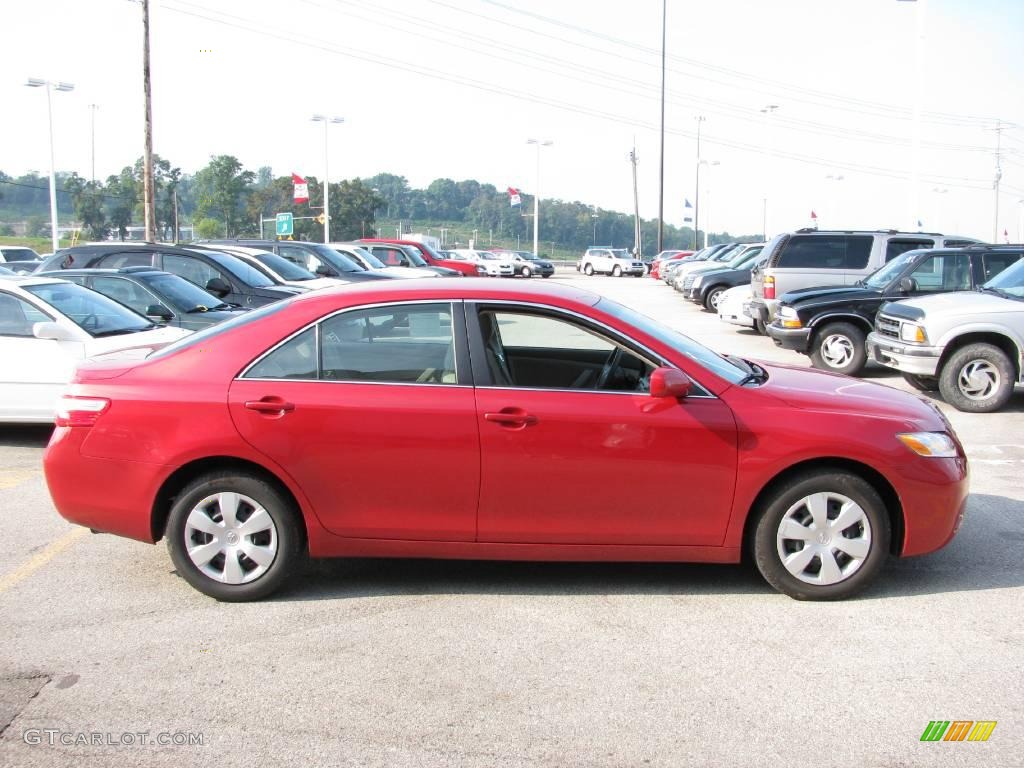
(133, 346)
(196, 321)
(836, 293)
(407, 272)
(808, 389)
(954, 304)
(320, 282)
(278, 292)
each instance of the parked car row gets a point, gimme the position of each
(947, 312)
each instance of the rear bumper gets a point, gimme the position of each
(762, 309)
(796, 339)
(921, 361)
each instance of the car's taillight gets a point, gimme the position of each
(769, 287)
(80, 411)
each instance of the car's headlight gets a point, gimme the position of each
(788, 317)
(936, 445)
(912, 332)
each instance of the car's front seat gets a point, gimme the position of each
(496, 364)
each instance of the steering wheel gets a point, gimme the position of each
(609, 366)
(90, 320)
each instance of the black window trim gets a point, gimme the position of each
(463, 370)
(482, 375)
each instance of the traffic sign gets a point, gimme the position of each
(285, 224)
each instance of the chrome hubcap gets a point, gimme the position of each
(979, 380)
(824, 538)
(837, 350)
(716, 299)
(230, 538)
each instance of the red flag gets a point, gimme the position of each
(301, 189)
(814, 216)
(513, 197)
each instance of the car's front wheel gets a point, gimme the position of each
(527, 272)
(977, 378)
(823, 536)
(234, 536)
(839, 347)
(616, 271)
(713, 297)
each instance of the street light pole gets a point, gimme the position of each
(327, 174)
(696, 196)
(594, 216)
(768, 110)
(35, 82)
(536, 194)
(661, 165)
(148, 199)
(92, 135)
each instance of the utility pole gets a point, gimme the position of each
(998, 177)
(148, 198)
(661, 165)
(177, 232)
(633, 160)
(696, 196)
(92, 115)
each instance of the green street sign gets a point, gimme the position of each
(285, 224)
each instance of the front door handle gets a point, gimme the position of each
(270, 405)
(511, 417)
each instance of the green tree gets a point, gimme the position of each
(353, 207)
(208, 228)
(123, 194)
(221, 187)
(87, 199)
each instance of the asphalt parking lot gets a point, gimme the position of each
(422, 663)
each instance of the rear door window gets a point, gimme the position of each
(896, 247)
(126, 292)
(826, 252)
(126, 259)
(193, 270)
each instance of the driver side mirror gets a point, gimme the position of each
(323, 270)
(908, 285)
(53, 332)
(218, 286)
(158, 312)
(669, 382)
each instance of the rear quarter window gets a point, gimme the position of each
(826, 252)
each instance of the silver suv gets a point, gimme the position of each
(811, 258)
(968, 345)
(611, 261)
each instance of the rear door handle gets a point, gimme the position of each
(512, 417)
(270, 405)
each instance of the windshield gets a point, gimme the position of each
(684, 344)
(429, 249)
(884, 275)
(338, 260)
(93, 312)
(286, 270)
(528, 256)
(1009, 282)
(244, 272)
(620, 253)
(213, 331)
(370, 261)
(414, 256)
(20, 254)
(180, 293)
(745, 258)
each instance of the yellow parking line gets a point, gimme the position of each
(25, 570)
(11, 478)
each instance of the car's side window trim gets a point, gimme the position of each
(463, 371)
(482, 375)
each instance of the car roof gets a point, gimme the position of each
(21, 281)
(121, 271)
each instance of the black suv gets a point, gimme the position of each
(831, 323)
(318, 258)
(228, 278)
(162, 297)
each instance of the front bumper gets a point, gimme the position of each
(909, 358)
(796, 339)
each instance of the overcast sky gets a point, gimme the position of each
(453, 88)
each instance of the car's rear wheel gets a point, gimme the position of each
(589, 269)
(616, 271)
(823, 536)
(839, 347)
(921, 383)
(234, 536)
(977, 378)
(712, 298)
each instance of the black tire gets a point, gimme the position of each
(286, 528)
(546, 275)
(990, 386)
(527, 272)
(616, 271)
(759, 327)
(921, 383)
(846, 352)
(766, 544)
(711, 298)
(589, 270)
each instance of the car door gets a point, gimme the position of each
(127, 292)
(575, 451)
(372, 414)
(34, 371)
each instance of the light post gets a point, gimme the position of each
(595, 217)
(35, 82)
(833, 194)
(92, 139)
(696, 206)
(327, 178)
(536, 193)
(767, 110)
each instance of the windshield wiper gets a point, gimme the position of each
(997, 292)
(197, 308)
(119, 331)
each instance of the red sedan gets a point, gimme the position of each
(552, 424)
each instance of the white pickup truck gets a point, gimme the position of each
(968, 345)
